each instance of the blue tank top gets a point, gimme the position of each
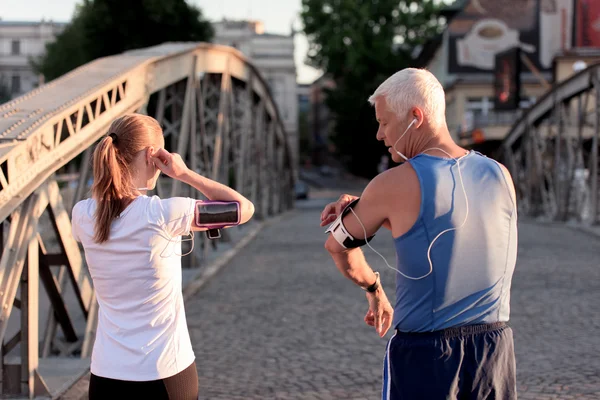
(473, 265)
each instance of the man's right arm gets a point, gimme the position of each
(387, 225)
(368, 216)
(509, 183)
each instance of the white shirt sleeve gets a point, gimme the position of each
(177, 215)
(75, 222)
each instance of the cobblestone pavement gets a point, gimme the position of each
(280, 322)
(556, 313)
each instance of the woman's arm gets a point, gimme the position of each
(217, 191)
(171, 164)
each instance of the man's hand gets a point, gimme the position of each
(381, 313)
(333, 210)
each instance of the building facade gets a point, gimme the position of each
(21, 41)
(319, 121)
(273, 55)
(303, 91)
(545, 32)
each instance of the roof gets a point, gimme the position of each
(30, 23)
(428, 50)
(520, 15)
(457, 5)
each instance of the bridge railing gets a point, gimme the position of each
(552, 152)
(216, 112)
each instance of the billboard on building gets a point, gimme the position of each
(507, 82)
(587, 22)
(485, 28)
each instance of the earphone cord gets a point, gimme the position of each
(170, 241)
(440, 234)
(172, 238)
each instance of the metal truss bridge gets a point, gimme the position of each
(552, 152)
(216, 112)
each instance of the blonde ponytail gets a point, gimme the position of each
(113, 187)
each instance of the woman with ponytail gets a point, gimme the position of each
(132, 245)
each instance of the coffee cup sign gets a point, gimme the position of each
(486, 38)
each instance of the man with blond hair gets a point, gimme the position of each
(453, 218)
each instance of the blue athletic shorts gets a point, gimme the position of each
(474, 362)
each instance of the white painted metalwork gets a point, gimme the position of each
(552, 152)
(216, 112)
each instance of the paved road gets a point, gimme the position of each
(556, 313)
(280, 322)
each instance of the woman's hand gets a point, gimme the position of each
(171, 164)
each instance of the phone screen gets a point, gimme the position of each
(216, 213)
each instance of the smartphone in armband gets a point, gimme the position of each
(215, 215)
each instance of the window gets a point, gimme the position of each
(15, 84)
(479, 106)
(480, 112)
(273, 84)
(15, 47)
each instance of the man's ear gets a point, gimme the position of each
(417, 114)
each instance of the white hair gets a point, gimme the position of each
(412, 87)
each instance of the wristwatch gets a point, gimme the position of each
(373, 287)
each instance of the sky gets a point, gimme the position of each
(278, 17)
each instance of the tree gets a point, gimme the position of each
(102, 28)
(359, 43)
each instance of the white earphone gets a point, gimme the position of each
(441, 233)
(394, 146)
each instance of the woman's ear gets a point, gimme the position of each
(149, 153)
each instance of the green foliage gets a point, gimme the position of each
(359, 43)
(102, 28)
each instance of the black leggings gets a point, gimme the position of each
(182, 386)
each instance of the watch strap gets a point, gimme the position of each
(373, 287)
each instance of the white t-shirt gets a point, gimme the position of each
(142, 331)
